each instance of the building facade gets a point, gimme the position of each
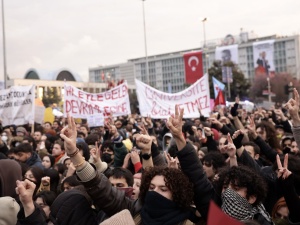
(166, 71)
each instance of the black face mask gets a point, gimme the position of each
(107, 158)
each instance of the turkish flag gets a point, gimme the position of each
(193, 67)
(220, 100)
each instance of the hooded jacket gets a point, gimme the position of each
(10, 171)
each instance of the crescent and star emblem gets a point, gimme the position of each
(193, 58)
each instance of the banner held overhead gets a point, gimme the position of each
(80, 104)
(17, 105)
(158, 104)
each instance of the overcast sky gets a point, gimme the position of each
(80, 34)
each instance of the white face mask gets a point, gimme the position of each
(4, 138)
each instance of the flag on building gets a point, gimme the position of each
(193, 67)
(218, 86)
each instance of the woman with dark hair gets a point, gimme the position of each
(44, 199)
(69, 183)
(48, 161)
(267, 132)
(35, 175)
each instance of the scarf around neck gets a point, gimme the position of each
(239, 208)
(158, 210)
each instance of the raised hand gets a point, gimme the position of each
(230, 147)
(149, 121)
(144, 142)
(25, 190)
(135, 157)
(252, 128)
(238, 138)
(216, 122)
(143, 130)
(175, 123)
(95, 153)
(45, 181)
(283, 171)
(172, 162)
(126, 161)
(69, 134)
(293, 106)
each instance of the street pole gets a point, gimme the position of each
(145, 40)
(204, 42)
(4, 46)
(204, 34)
(269, 89)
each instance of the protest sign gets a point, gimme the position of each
(80, 104)
(157, 104)
(95, 120)
(17, 105)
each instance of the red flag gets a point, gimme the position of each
(102, 76)
(220, 100)
(217, 217)
(193, 67)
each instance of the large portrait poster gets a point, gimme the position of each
(228, 53)
(263, 58)
(17, 105)
(159, 105)
(80, 104)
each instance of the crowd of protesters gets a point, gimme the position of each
(136, 170)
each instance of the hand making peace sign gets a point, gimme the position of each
(283, 171)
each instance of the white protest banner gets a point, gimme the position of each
(80, 104)
(95, 120)
(39, 112)
(157, 104)
(17, 105)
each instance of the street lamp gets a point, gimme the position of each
(145, 40)
(204, 34)
(4, 46)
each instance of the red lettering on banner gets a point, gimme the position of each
(158, 110)
(70, 91)
(80, 94)
(107, 95)
(195, 90)
(82, 108)
(100, 98)
(201, 102)
(124, 90)
(115, 94)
